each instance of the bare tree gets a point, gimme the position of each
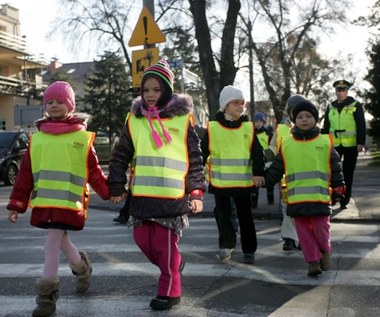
(291, 25)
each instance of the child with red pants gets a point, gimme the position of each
(311, 167)
(167, 180)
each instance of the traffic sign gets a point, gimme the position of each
(142, 59)
(176, 63)
(146, 31)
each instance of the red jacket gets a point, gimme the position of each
(54, 217)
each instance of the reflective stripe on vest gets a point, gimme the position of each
(263, 139)
(343, 125)
(159, 172)
(60, 180)
(230, 162)
(308, 169)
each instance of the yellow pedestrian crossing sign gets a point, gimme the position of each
(146, 31)
(142, 59)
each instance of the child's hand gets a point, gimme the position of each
(197, 205)
(259, 181)
(12, 216)
(118, 199)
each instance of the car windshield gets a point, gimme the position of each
(6, 139)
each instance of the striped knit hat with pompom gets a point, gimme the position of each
(160, 71)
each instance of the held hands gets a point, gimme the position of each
(259, 181)
(118, 199)
(197, 205)
(12, 216)
(337, 194)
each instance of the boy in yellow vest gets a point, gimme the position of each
(311, 167)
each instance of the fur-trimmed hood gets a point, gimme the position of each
(179, 104)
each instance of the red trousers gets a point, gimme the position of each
(160, 246)
(314, 236)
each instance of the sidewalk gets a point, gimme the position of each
(363, 207)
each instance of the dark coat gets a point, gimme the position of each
(358, 117)
(275, 173)
(122, 155)
(257, 156)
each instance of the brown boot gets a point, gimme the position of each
(325, 262)
(48, 294)
(314, 269)
(83, 271)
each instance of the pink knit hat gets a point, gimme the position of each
(62, 91)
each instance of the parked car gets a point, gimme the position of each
(13, 145)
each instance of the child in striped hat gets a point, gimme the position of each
(167, 179)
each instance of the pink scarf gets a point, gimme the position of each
(71, 124)
(153, 112)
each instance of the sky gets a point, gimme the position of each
(36, 17)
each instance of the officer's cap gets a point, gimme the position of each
(342, 83)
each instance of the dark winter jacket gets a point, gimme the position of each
(257, 156)
(122, 155)
(275, 173)
(358, 116)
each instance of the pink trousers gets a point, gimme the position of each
(160, 246)
(314, 236)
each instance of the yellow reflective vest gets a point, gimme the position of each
(343, 125)
(307, 169)
(263, 138)
(159, 172)
(230, 163)
(282, 131)
(60, 181)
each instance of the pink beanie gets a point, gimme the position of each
(62, 91)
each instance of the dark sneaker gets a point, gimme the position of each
(249, 258)
(289, 245)
(314, 269)
(164, 302)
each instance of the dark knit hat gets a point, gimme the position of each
(61, 91)
(305, 105)
(160, 71)
(292, 102)
(259, 116)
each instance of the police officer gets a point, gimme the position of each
(344, 120)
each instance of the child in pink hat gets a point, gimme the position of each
(53, 177)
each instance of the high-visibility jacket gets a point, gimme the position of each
(230, 163)
(308, 176)
(263, 138)
(159, 172)
(343, 125)
(60, 180)
(282, 131)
